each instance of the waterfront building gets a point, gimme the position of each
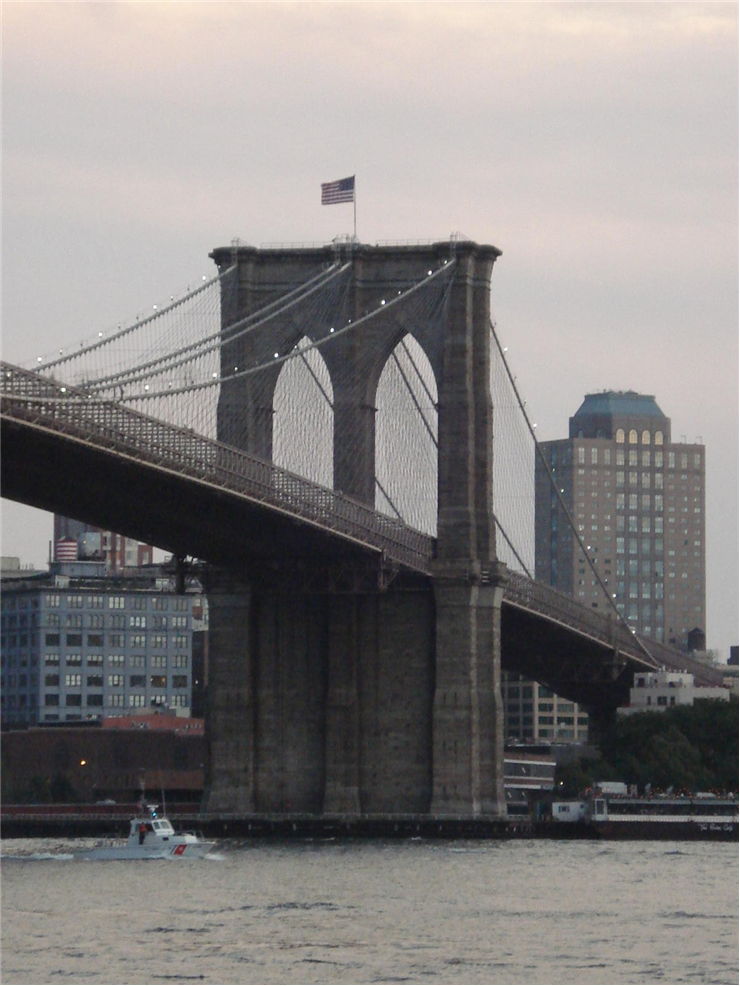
(656, 691)
(153, 752)
(78, 643)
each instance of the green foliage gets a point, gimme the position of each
(571, 779)
(685, 747)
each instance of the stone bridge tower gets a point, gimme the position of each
(396, 703)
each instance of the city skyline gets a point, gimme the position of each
(595, 145)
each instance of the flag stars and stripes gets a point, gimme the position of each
(333, 192)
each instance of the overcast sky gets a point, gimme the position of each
(594, 144)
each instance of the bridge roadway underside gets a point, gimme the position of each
(155, 506)
(322, 682)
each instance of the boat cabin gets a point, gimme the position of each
(147, 828)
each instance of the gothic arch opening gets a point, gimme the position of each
(302, 426)
(406, 437)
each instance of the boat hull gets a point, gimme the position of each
(178, 850)
(665, 827)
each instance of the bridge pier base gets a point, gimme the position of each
(342, 753)
(468, 716)
(230, 723)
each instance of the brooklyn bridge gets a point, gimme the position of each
(335, 432)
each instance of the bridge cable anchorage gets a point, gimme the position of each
(563, 506)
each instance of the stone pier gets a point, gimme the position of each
(385, 698)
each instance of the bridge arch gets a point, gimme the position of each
(303, 415)
(406, 436)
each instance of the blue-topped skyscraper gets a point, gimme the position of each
(637, 499)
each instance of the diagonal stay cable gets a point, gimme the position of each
(99, 343)
(350, 327)
(561, 501)
(202, 347)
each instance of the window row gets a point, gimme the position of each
(76, 699)
(115, 680)
(54, 600)
(53, 659)
(141, 641)
(645, 437)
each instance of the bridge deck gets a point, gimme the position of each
(35, 402)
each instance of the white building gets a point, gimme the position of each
(658, 690)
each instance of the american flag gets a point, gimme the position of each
(338, 191)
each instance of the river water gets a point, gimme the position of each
(407, 911)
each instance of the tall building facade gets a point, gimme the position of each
(80, 644)
(638, 501)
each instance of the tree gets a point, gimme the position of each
(684, 747)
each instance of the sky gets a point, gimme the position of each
(595, 144)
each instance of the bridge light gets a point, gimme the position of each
(276, 355)
(39, 359)
(429, 272)
(204, 278)
(215, 376)
(506, 349)
(146, 386)
(236, 369)
(382, 301)
(100, 335)
(534, 425)
(154, 307)
(331, 329)
(63, 390)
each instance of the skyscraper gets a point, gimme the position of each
(637, 499)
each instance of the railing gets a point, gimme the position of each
(38, 401)
(527, 594)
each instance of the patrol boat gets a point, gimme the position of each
(150, 837)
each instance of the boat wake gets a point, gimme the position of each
(36, 856)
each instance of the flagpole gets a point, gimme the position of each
(354, 206)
